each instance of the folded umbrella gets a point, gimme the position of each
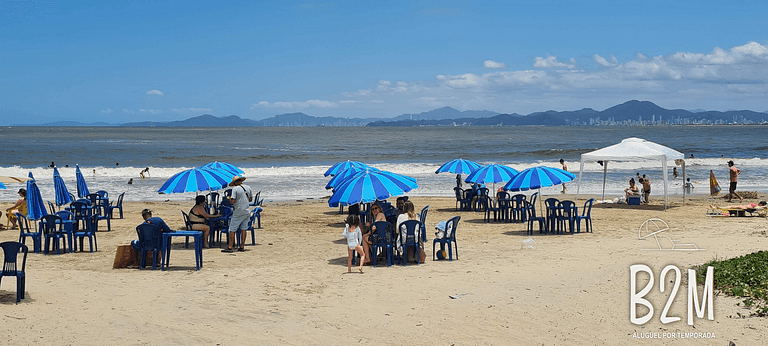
(82, 187)
(62, 194)
(35, 206)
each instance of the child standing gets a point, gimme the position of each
(354, 239)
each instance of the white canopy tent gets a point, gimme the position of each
(632, 149)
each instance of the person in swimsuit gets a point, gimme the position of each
(632, 190)
(354, 239)
(198, 218)
(20, 207)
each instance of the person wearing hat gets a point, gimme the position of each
(734, 172)
(146, 214)
(241, 199)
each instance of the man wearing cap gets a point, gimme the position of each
(147, 215)
(734, 172)
(241, 198)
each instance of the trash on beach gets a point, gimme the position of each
(457, 296)
(528, 244)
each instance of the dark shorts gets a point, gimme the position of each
(733, 187)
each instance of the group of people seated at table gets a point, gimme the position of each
(404, 211)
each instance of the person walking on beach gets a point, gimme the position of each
(241, 198)
(565, 168)
(734, 173)
(354, 239)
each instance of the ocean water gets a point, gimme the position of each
(287, 163)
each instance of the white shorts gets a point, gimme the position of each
(238, 222)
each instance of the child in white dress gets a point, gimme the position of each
(354, 239)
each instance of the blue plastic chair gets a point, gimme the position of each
(25, 231)
(532, 218)
(410, 239)
(103, 194)
(150, 239)
(552, 207)
(81, 211)
(462, 202)
(89, 232)
(254, 221)
(567, 215)
(423, 220)
(586, 215)
(222, 226)
(382, 237)
(485, 202)
(450, 237)
(53, 230)
(119, 206)
(51, 208)
(517, 205)
(11, 249)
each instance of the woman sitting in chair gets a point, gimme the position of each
(409, 213)
(632, 190)
(20, 206)
(198, 219)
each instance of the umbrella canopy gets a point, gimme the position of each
(62, 195)
(35, 206)
(458, 166)
(12, 180)
(193, 180)
(82, 187)
(538, 177)
(337, 168)
(339, 178)
(224, 167)
(369, 186)
(491, 174)
(2, 186)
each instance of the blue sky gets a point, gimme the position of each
(139, 60)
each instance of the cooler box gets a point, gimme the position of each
(633, 200)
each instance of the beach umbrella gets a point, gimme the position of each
(82, 187)
(62, 195)
(494, 173)
(335, 169)
(195, 179)
(537, 177)
(224, 167)
(458, 166)
(339, 178)
(2, 186)
(370, 186)
(35, 206)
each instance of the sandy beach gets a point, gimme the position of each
(291, 288)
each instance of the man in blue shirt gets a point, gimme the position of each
(147, 215)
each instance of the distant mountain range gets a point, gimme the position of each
(629, 113)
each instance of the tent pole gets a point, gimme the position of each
(683, 165)
(578, 185)
(666, 179)
(605, 173)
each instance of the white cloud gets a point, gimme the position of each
(128, 111)
(106, 111)
(551, 61)
(494, 64)
(150, 111)
(155, 92)
(295, 104)
(190, 110)
(605, 63)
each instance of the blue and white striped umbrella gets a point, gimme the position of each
(491, 174)
(458, 166)
(224, 167)
(370, 186)
(339, 178)
(35, 206)
(62, 194)
(538, 177)
(193, 180)
(337, 168)
(82, 187)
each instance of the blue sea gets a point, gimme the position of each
(287, 163)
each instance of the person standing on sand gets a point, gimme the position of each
(241, 198)
(734, 172)
(354, 239)
(646, 188)
(565, 168)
